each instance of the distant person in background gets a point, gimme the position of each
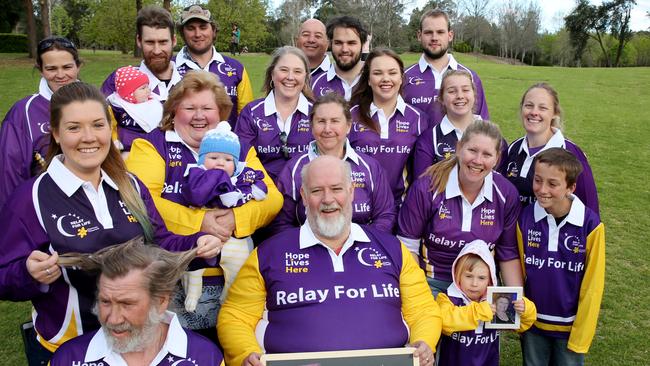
(541, 117)
(383, 125)
(347, 37)
(235, 37)
(25, 131)
(312, 40)
(423, 79)
(155, 37)
(199, 32)
(277, 126)
(139, 113)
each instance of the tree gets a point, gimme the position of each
(111, 24)
(250, 16)
(45, 17)
(61, 21)
(78, 11)
(474, 18)
(31, 27)
(621, 11)
(10, 14)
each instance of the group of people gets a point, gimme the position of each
(358, 204)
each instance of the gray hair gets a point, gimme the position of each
(342, 164)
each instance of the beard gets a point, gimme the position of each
(347, 66)
(435, 55)
(333, 227)
(138, 339)
(157, 64)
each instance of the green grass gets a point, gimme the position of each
(605, 114)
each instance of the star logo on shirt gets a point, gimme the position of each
(576, 250)
(82, 232)
(229, 73)
(54, 216)
(378, 264)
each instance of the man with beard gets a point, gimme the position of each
(329, 285)
(422, 80)
(199, 32)
(312, 40)
(134, 287)
(155, 37)
(347, 37)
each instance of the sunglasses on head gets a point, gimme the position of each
(50, 41)
(284, 149)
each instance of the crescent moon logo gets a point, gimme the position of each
(575, 243)
(219, 65)
(188, 361)
(59, 226)
(44, 127)
(360, 258)
(440, 148)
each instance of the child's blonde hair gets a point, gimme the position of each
(467, 263)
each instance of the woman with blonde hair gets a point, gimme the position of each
(458, 200)
(84, 201)
(195, 106)
(277, 126)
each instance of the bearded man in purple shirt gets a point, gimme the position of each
(134, 289)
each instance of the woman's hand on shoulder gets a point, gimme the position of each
(209, 246)
(43, 267)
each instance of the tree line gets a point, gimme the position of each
(592, 35)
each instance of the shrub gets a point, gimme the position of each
(13, 43)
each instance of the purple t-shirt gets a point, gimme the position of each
(421, 89)
(373, 200)
(258, 127)
(319, 301)
(392, 147)
(518, 168)
(444, 222)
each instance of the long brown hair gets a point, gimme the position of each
(439, 172)
(362, 94)
(160, 268)
(113, 165)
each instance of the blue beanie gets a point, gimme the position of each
(222, 140)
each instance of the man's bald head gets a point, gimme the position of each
(312, 40)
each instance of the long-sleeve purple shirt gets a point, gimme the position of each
(373, 200)
(211, 187)
(422, 86)
(393, 145)
(24, 140)
(518, 168)
(59, 212)
(258, 126)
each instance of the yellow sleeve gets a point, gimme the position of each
(146, 163)
(462, 318)
(241, 312)
(113, 121)
(520, 245)
(256, 214)
(420, 310)
(244, 92)
(591, 293)
(528, 317)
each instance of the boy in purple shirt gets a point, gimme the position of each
(562, 248)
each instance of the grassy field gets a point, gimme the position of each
(605, 114)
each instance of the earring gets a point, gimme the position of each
(271, 84)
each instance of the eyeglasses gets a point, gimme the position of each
(284, 149)
(50, 41)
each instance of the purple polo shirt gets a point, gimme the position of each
(444, 222)
(229, 70)
(373, 202)
(259, 127)
(24, 140)
(319, 301)
(322, 68)
(518, 168)
(478, 347)
(393, 145)
(57, 211)
(439, 142)
(330, 82)
(422, 85)
(181, 347)
(159, 89)
(555, 259)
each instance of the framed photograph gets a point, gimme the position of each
(366, 357)
(502, 297)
